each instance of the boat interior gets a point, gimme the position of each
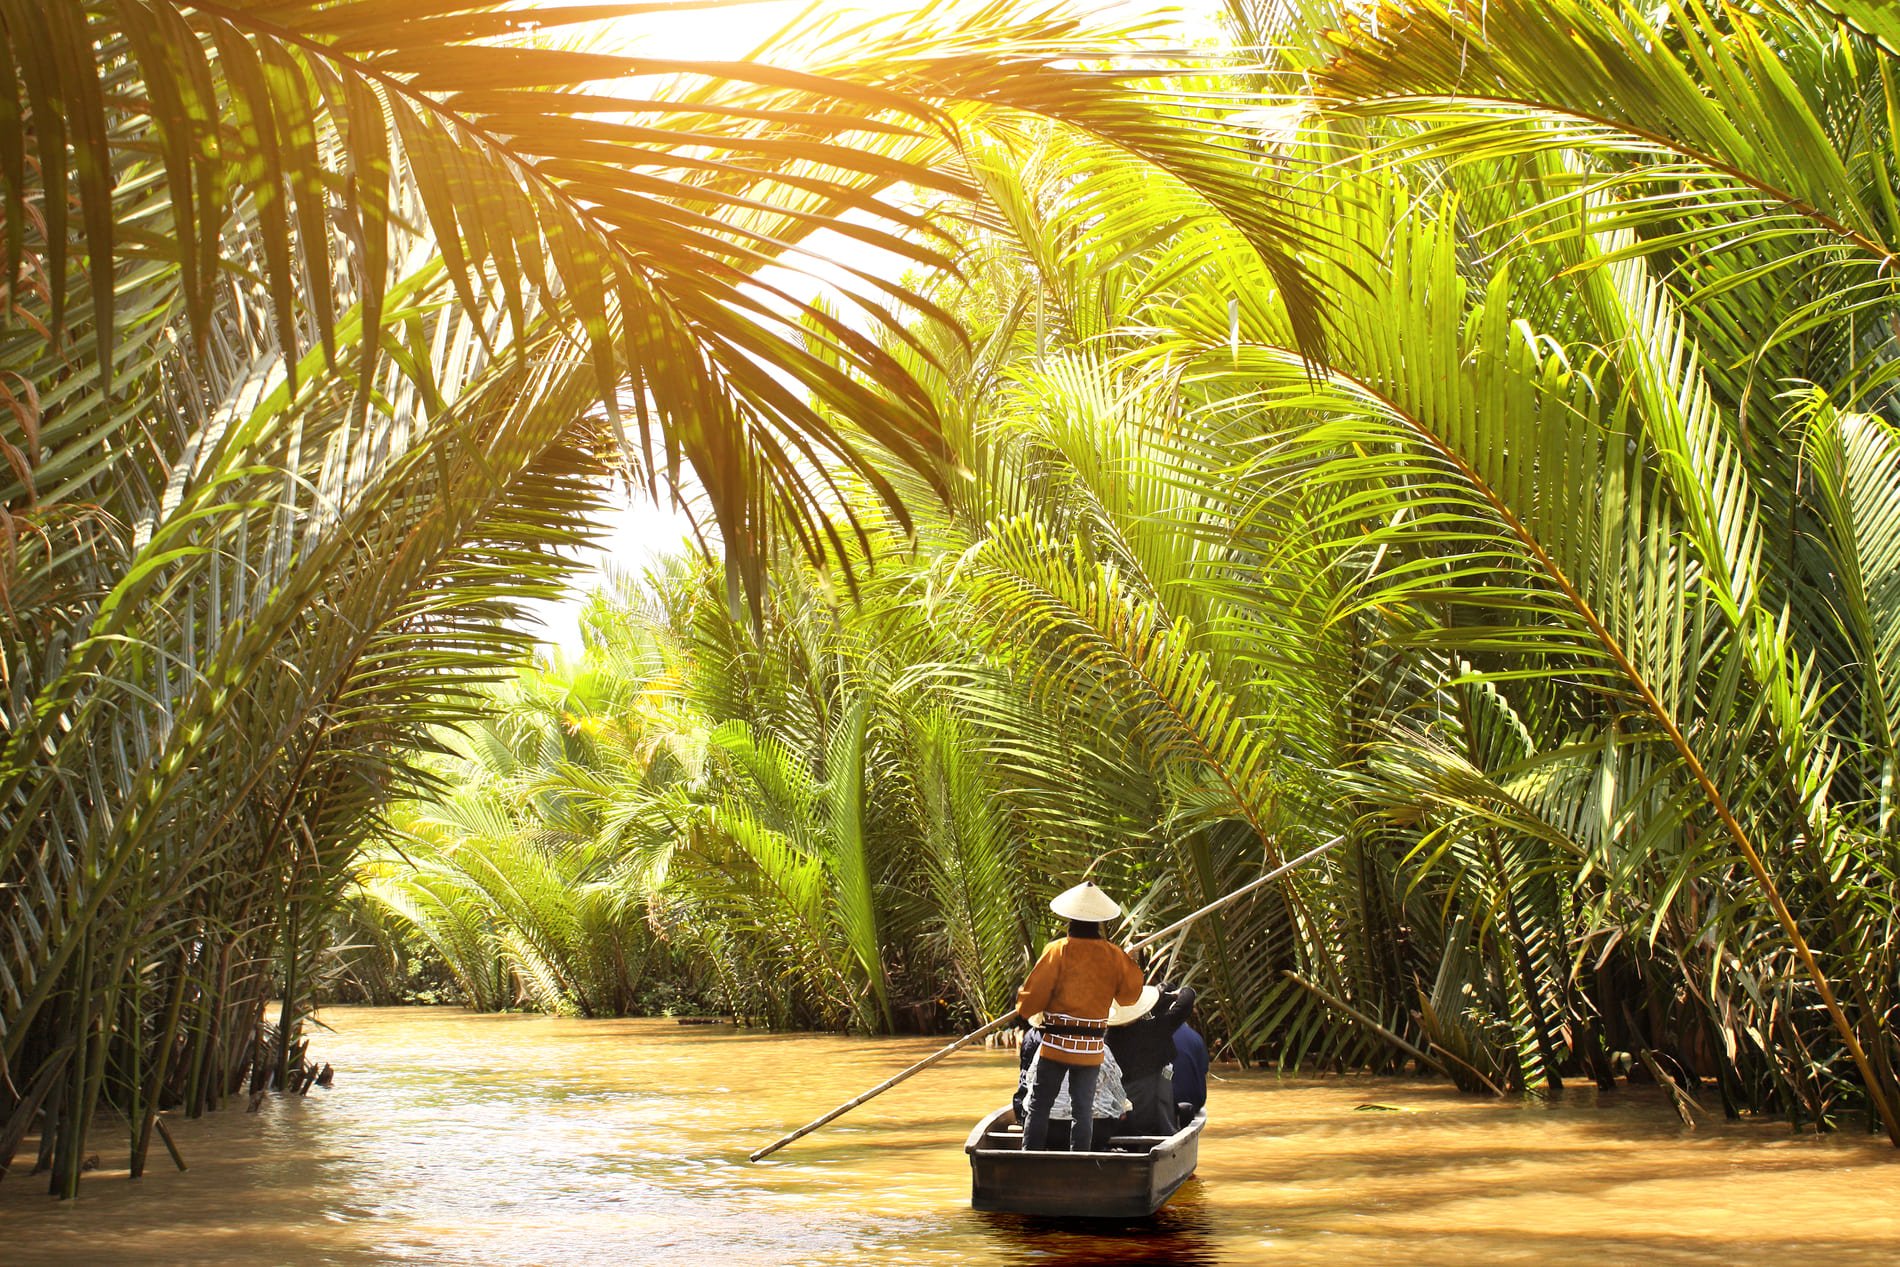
(1006, 1134)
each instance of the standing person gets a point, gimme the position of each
(1190, 1069)
(1072, 986)
(1141, 1038)
(1111, 1098)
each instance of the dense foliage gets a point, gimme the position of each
(327, 321)
(1565, 585)
(1468, 426)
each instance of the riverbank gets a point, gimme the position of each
(452, 1137)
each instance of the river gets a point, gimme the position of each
(452, 1137)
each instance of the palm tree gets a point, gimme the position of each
(1563, 583)
(509, 875)
(1632, 478)
(324, 324)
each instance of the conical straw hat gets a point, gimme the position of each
(1085, 901)
(1119, 1015)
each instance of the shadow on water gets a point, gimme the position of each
(1180, 1233)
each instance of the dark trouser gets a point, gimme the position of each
(1153, 1098)
(1042, 1095)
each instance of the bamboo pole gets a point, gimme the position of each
(1003, 1020)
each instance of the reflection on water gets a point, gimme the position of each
(456, 1138)
(1182, 1233)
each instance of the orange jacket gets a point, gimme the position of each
(1074, 983)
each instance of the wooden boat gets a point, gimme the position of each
(1131, 1176)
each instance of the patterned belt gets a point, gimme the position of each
(1075, 1035)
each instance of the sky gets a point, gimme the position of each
(638, 531)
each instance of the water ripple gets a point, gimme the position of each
(454, 1138)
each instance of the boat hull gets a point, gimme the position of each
(1131, 1179)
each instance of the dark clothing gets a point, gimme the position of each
(1032, 1042)
(1190, 1068)
(1026, 1055)
(1152, 1105)
(1144, 1049)
(1042, 1095)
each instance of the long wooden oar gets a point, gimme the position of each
(1010, 1015)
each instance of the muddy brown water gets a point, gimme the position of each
(458, 1138)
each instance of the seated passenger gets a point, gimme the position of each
(1073, 985)
(1141, 1037)
(1190, 1070)
(1025, 1057)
